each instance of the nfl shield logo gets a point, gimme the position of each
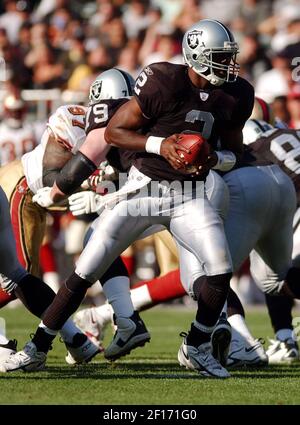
(203, 96)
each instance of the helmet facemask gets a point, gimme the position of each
(217, 65)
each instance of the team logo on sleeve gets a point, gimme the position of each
(194, 39)
(148, 70)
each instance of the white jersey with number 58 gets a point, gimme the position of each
(67, 125)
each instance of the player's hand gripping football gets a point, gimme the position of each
(170, 150)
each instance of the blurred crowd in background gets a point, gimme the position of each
(64, 44)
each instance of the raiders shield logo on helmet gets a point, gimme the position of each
(96, 89)
(194, 39)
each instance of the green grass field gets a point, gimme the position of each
(150, 375)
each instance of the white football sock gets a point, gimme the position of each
(117, 293)
(284, 334)
(238, 323)
(103, 314)
(69, 330)
(47, 330)
(140, 297)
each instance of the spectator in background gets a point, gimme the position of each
(253, 12)
(291, 36)
(252, 58)
(165, 49)
(280, 26)
(115, 39)
(46, 72)
(15, 68)
(24, 41)
(189, 14)
(280, 110)
(128, 59)
(170, 9)
(135, 18)
(106, 12)
(222, 10)
(47, 7)
(275, 82)
(98, 60)
(58, 23)
(39, 34)
(293, 106)
(12, 20)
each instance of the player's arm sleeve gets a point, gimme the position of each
(75, 171)
(55, 157)
(148, 93)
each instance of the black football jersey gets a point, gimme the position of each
(98, 116)
(281, 147)
(172, 104)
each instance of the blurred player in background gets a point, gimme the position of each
(18, 137)
(20, 179)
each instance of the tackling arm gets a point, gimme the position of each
(55, 157)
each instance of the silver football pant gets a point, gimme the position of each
(218, 195)
(194, 223)
(11, 271)
(260, 217)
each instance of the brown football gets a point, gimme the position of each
(198, 147)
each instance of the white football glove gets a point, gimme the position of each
(85, 203)
(42, 197)
(105, 172)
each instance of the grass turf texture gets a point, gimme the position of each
(150, 375)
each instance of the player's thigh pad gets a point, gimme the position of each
(275, 245)
(197, 227)
(251, 198)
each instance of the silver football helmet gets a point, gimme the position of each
(209, 48)
(111, 84)
(254, 129)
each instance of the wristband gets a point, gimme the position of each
(153, 144)
(226, 160)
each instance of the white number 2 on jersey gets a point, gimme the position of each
(286, 148)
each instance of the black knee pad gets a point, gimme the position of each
(76, 284)
(220, 281)
(117, 268)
